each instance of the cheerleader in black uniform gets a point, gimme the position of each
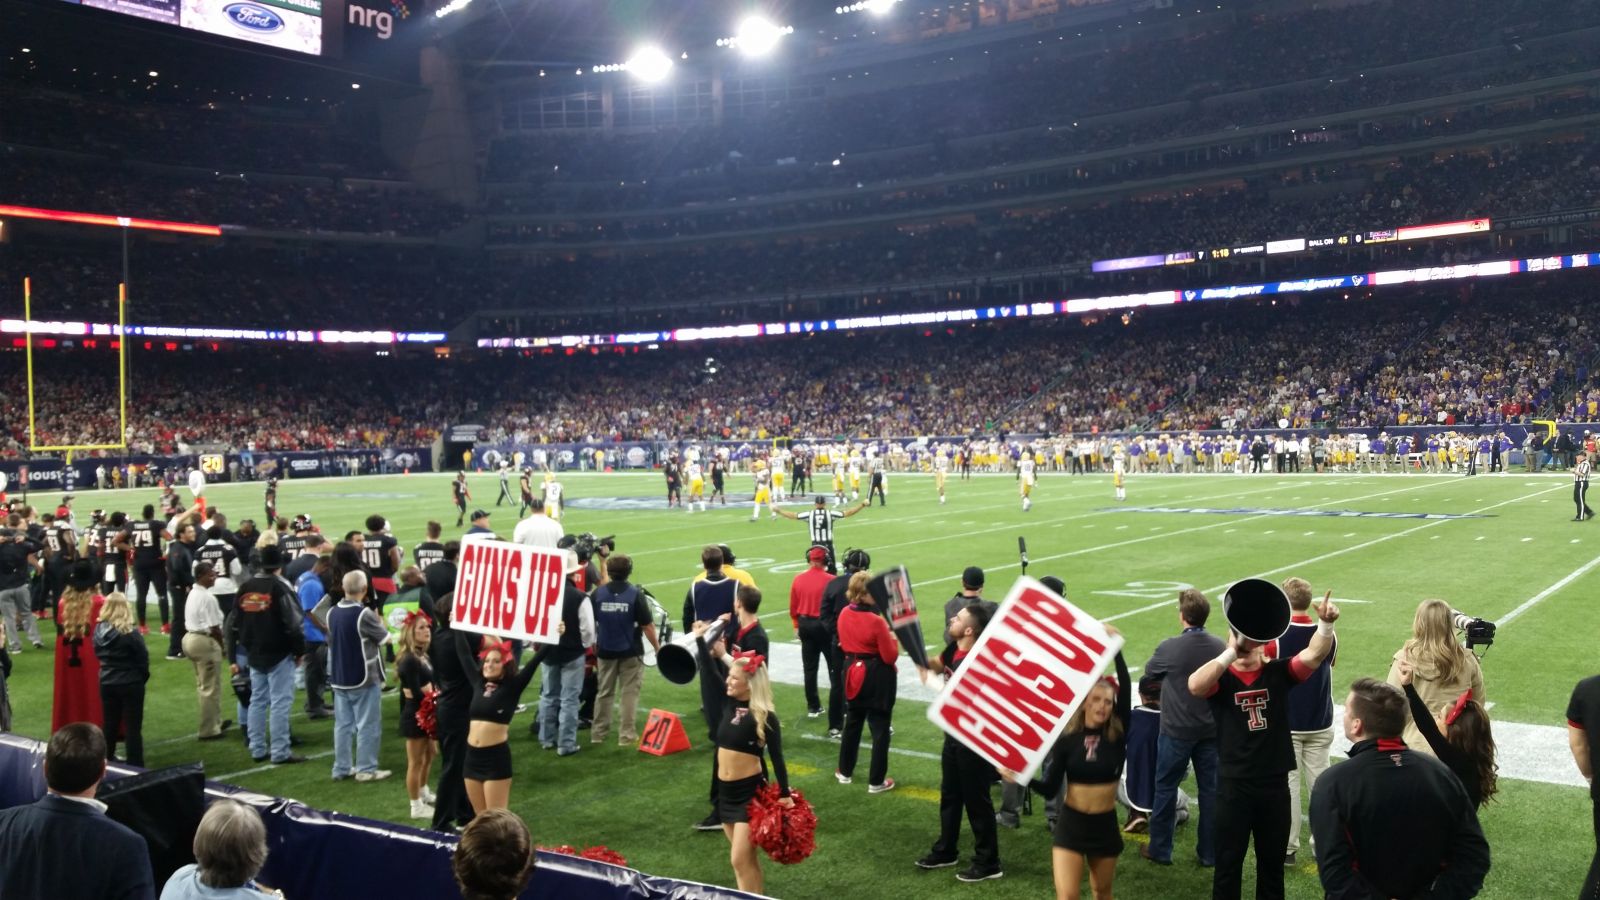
(1089, 757)
(747, 731)
(416, 679)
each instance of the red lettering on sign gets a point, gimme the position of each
(976, 731)
(515, 564)
(1057, 631)
(1025, 685)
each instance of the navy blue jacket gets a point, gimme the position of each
(44, 845)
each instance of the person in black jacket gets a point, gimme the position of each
(124, 669)
(1391, 822)
(451, 807)
(63, 846)
(180, 580)
(833, 603)
(266, 623)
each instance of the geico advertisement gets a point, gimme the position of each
(285, 24)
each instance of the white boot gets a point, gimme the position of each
(428, 796)
(421, 810)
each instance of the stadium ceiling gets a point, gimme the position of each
(514, 34)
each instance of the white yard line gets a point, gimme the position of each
(229, 776)
(1540, 597)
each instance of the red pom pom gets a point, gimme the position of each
(604, 854)
(427, 714)
(788, 835)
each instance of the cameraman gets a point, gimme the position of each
(1442, 669)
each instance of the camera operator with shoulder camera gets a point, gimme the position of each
(1441, 668)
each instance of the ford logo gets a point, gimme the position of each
(251, 17)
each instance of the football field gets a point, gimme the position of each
(1501, 547)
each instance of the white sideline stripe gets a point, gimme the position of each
(1526, 752)
(229, 776)
(1540, 597)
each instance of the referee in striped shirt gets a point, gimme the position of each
(1580, 488)
(820, 520)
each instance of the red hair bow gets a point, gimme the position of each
(752, 659)
(412, 617)
(1112, 681)
(504, 647)
(1455, 711)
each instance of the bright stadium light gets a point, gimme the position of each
(757, 36)
(649, 65)
(876, 7)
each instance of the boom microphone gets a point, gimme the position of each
(1022, 549)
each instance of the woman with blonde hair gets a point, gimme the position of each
(747, 732)
(77, 675)
(1441, 669)
(416, 680)
(124, 669)
(1089, 758)
(868, 651)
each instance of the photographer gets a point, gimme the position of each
(1441, 668)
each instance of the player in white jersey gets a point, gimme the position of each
(1025, 478)
(779, 467)
(941, 471)
(697, 485)
(854, 467)
(552, 496)
(1119, 470)
(763, 477)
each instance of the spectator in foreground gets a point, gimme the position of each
(230, 847)
(202, 646)
(1583, 715)
(265, 624)
(1391, 822)
(1310, 707)
(494, 860)
(45, 845)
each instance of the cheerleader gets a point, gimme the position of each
(747, 731)
(416, 680)
(497, 686)
(1089, 757)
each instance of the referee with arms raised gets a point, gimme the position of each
(1580, 488)
(820, 519)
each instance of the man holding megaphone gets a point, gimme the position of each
(1249, 697)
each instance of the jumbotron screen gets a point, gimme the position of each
(285, 24)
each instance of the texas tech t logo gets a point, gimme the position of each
(1254, 704)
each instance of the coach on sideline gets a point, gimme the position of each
(1391, 822)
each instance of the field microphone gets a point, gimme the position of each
(1022, 549)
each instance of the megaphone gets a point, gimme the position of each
(678, 661)
(1257, 609)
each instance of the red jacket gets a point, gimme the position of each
(862, 632)
(805, 594)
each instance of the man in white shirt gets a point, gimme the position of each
(538, 530)
(202, 646)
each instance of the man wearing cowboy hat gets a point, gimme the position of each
(266, 623)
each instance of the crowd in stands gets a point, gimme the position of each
(241, 398)
(1440, 356)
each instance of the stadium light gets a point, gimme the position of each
(757, 36)
(649, 65)
(876, 7)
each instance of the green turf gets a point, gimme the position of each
(1115, 563)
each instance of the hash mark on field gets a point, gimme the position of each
(1478, 538)
(1230, 531)
(1088, 526)
(1573, 541)
(1308, 534)
(1157, 528)
(1434, 538)
(1349, 534)
(1268, 531)
(1525, 540)
(969, 523)
(1121, 527)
